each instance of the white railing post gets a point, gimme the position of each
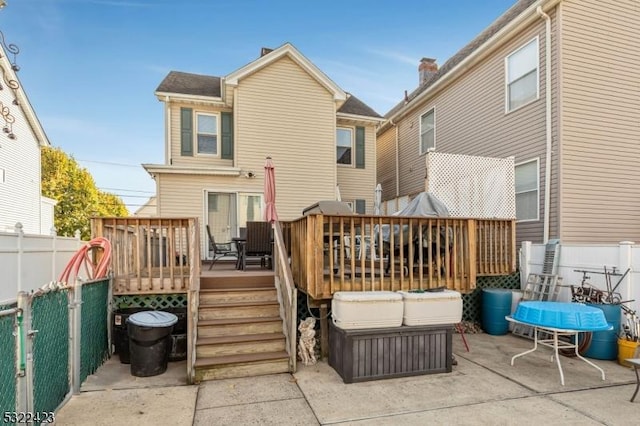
(20, 234)
(624, 263)
(54, 252)
(525, 263)
(23, 324)
(75, 329)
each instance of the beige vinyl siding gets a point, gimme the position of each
(228, 95)
(470, 119)
(386, 163)
(600, 121)
(359, 184)
(183, 195)
(195, 160)
(282, 112)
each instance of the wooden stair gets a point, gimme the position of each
(239, 329)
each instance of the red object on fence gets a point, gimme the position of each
(83, 257)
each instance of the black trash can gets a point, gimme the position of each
(178, 350)
(119, 334)
(150, 342)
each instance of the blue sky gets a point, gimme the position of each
(90, 67)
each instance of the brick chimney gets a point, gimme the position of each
(264, 51)
(426, 69)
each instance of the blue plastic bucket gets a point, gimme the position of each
(496, 304)
(604, 344)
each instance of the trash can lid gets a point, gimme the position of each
(153, 319)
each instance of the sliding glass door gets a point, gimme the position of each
(227, 212)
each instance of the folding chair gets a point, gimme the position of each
(220, 250)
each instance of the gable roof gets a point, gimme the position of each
(472, 47)
(355, 106)
(190, 84)
(287, 49)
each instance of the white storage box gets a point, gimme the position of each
(432, 308)
(367, 309)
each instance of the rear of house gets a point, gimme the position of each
(533, 86)
(220, 130)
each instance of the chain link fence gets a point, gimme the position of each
(94, 349)
(7, 362)
(50, 313)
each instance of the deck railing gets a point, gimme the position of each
(151, 255)
(354, 253)
(287, 293)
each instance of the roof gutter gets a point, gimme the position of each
(522, 20)
(358, 117)
(163, 96)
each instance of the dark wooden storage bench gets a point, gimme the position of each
(381, 353)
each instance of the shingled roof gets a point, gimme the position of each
(485, 35)
(190, 84)
(355, 106)
(204, 85)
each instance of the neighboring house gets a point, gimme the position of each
(219, 131)
(148, 209)
(554, 83)
(21, 138)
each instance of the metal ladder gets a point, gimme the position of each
(542, 287)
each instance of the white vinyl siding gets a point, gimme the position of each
(521, 69)
(207, 134)
(428, 131)
(527, 190)
(344, 146)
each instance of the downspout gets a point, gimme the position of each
(397, 158)
(547, 163)
(167, 138)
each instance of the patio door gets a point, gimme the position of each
(227, 212)
(222, 215)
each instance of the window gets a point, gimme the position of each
(522, 75)
(427, 132)
(344, 146)
(527, 183)
(207, 137)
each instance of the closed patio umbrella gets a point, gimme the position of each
(270, 214)
(377, 200)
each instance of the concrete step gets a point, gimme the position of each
(240, 280)
(243, 344)
(244, 365)
(240, 294)
(239, 326)
(211, 311)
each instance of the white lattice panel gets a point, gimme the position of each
(470, 186)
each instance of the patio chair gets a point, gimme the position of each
(220, 250)
(259, 243)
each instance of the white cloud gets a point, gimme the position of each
(395, 56)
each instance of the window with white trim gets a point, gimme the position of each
(207, 136)
(527, 181)
(344, 146)
(521, 69)
(428, 131)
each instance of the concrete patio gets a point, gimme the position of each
(482, 389)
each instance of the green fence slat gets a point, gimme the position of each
(7, 363)
(94, 346)
(50, 316)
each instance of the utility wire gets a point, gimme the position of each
(109, 163)
(127, 190)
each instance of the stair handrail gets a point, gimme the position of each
(287, 293)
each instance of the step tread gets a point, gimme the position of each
(232, 321)
(239, 338)
(236, 289)
(240, 304)
(241, 358)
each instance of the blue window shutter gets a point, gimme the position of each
(226, 130)
(186, 132)
(360, 147)
(361, 206)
